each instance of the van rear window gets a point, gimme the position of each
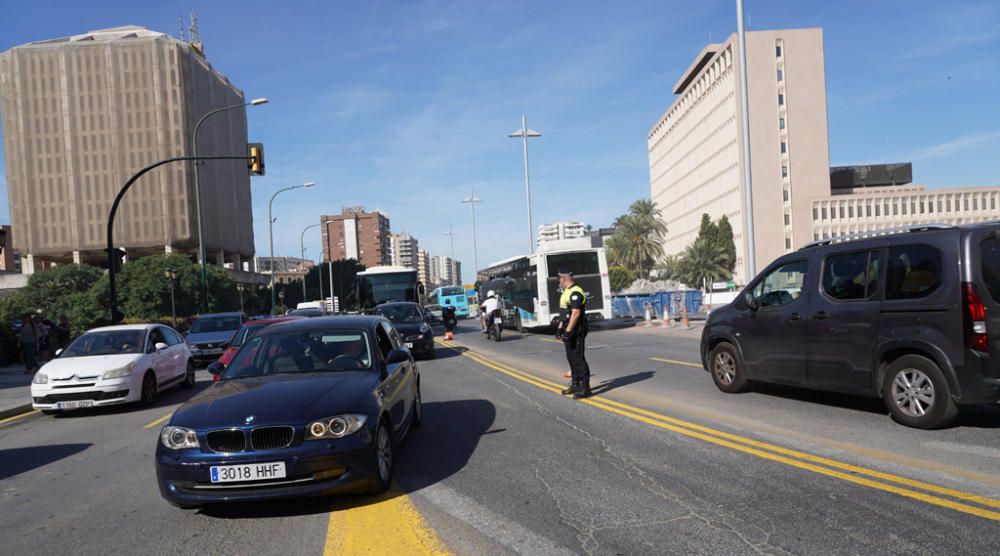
(913, 271)
(990, 257)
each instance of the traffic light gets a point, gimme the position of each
(256, 153)
(116, 258)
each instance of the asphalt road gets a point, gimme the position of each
(660, 462)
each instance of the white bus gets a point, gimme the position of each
(529, 285)
(382, 284)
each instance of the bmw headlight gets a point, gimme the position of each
(335, 427)
(40, 378)
(178, 438)
(425, 328)
(119, 372)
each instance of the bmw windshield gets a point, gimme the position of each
(400, 313)
(215, 324)
(301, 351)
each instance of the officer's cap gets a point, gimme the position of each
(565, 273)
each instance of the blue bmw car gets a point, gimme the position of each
(305, 408)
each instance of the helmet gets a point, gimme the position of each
(491, 293)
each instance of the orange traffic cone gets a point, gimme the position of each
(684, 319)
(449, 335)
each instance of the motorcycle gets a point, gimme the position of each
(495, 329)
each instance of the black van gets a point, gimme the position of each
(911, 315)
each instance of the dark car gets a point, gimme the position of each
(210, 334)
(306, 408)
(247, 331)
(307, 313)
(909, 315)
(411, 322)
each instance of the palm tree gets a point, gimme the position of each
(703, 262)
(635, 243)
(647, 211)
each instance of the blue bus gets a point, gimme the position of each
(451, 296)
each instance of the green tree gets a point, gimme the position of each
(634, 245)
(651, 216)
(702, 263)
(620, 277)
(725, 239)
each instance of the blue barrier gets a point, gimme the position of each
(633, 305)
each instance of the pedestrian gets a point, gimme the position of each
(43, 328)
(572, 331)
(28, 340)
(62, 332)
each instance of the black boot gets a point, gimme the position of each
(583, 391)
(574, 387)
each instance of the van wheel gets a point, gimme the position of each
(917, 394)
(727, 369)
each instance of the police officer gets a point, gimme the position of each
(573, 332)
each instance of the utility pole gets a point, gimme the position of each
(751, 269)
(472, 200)
(451, 233)
(524, 133)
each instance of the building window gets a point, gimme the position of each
(777, 51)
(949, 205)
(781, 75)
(966, 203)
(784, 172)
(784, 195)
(788, 220)
(850, 211)
(895, 209)
(784, 147)
(788, 243)
(781, 123)
(930, 206)
(815, 214)
(975, 203)
(993, 203)
(904, 206)
(878, 210)
(781, 100)
(868, 210)
(824, 213)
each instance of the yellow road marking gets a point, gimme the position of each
(550, 340)
(158, 421)
(676, 362)
(14, 418)
(774, 453)
(387, 524)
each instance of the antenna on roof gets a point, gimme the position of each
(195, 39)
(180, 25)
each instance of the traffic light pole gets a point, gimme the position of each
(116, 316)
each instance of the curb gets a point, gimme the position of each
(14, 411)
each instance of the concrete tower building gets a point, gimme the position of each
(82, 114)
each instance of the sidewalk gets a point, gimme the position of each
(15, 390)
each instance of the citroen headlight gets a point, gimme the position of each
(119, 372)
(425, 328)
(335, 427)
(178, 438)
(40, 378)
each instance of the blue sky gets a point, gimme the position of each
(404, 106)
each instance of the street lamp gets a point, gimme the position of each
(451, 235)
(240, 288)
(197, 190)
(524, 133)
(302, 246)
(281, 296)
(751, 268)
(472, 200)
(171, 275)
(270, 230)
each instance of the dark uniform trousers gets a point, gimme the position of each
(575, 347)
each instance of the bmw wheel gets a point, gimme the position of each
(917, 394)
(418, 410)
(189, 377)
(727, 369)
(383, 460)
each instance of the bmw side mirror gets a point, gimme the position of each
(397, 356)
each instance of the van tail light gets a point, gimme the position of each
(974, 319)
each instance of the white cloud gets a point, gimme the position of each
(948, 148)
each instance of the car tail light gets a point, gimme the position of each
(974, 319)
(215, 378)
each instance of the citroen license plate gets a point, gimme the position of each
(251, 472)
(76, 404)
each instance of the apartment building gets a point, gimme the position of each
(405, 250)
(357, 234)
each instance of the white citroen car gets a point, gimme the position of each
(113, 365)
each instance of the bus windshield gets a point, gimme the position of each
(452, 290)
(376, 289)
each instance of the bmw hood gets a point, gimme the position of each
(276, 400)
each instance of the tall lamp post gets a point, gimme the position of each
(472, 200)
(270, 232)
(751, 269)
(240, 288)
(197, 190)
(171, 275)
(302, 247)
(451, 233)
(524, 133)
